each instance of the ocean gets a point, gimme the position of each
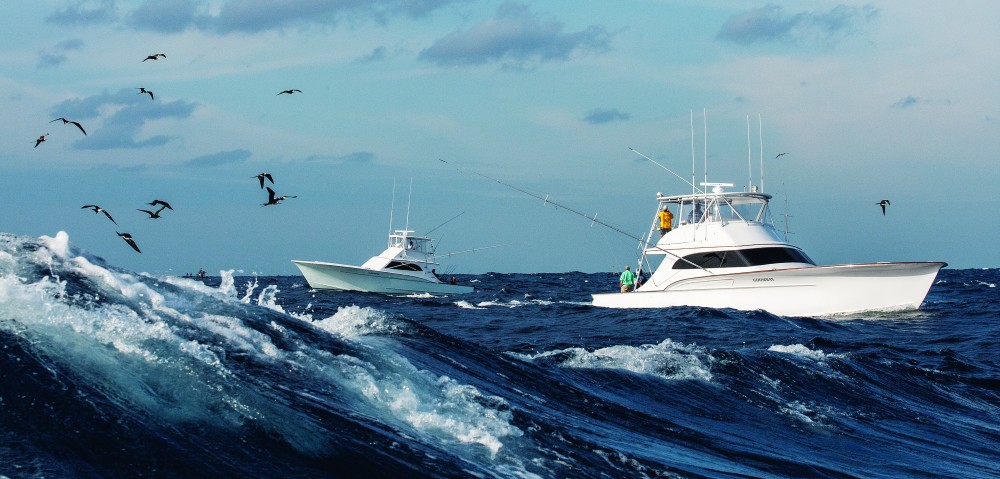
(108, 373)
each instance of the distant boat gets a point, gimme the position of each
(725, 253)
(201, 274)
(406, 266)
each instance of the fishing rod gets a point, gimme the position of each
(546, 200)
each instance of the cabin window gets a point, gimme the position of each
(743, 258)
(403, 266)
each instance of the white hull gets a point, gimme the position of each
(342, 277)
(806, 291)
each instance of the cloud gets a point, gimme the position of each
(770, 23)
(163, 16)
(515, 37)
(57, 56)
(379, 53)
(912, 101)
(906, 102)
(127, 112)
(219, 159)
(254, 16)
(85, 12)
(356, 157)
(599, 116)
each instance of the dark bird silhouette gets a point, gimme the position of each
(883, 204)
(290, 91)
(273, 200)
(40, 140)
(261, 178)
(131, 242)
(98, 209)
(161, 203)
(781, 154)
(155, 56)
(143, 90)
(153, 214)
(65, 121)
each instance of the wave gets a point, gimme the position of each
(181, 354)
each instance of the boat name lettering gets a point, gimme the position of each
(763, 279)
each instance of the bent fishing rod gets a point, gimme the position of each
(593, 219)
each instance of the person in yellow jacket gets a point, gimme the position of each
(666, 219)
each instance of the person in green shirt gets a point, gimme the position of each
(627, 280)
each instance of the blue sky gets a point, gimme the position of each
(890, 99)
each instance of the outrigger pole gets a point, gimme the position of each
(545, 199)
(668, 170)
(472, 250)
(442, 224)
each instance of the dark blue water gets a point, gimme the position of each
(109, 373)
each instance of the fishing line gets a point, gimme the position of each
(593, 219)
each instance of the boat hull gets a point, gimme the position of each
(341, 277)
(810, 291)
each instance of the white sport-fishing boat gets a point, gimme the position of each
(406, 266)
(726, 253)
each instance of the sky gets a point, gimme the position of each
(870, 100)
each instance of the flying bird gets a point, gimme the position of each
(98, 209)
(153, 214)
(162, 203)
(128, 239)
(883, 204)
(781, 154)
(273, 200)
(290, 91)
(261, 178)
(143, 90)
(78, 125)
(40, 140)
(155, 56)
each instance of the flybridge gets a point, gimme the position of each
(718, 206)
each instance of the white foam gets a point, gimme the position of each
(59, 245)
(466, 305)
(355, 321)
(419, 295)
(803, 351)
(514, 303)
(667, 360)
(435, 407)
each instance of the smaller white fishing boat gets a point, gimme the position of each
(406, 266)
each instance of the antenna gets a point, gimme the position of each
(408, 205)
(760, 133)
(704, 115)
(749, 164)
(392, 205)
(785, 214)
(692, 152)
